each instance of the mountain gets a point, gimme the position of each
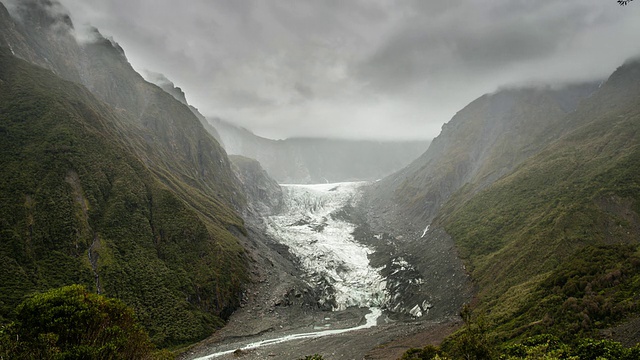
(482, 142)
(167, 133)
(263, 193)
(315, 160)
(535, 190)
(553, 246)
(109, 182)
(169, 87)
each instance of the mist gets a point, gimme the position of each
(361, 69)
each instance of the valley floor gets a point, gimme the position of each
(313, 236)
(388, 340)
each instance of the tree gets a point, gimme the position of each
(73, 323)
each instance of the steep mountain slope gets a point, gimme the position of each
(78, 207)
(169, 87)
(165, 132)
(481, 143)
(263, 193)
(553, 246)
(314, 160)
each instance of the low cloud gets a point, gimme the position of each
(361, 68)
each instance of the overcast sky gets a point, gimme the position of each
(376, 69)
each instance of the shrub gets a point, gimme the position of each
(72, 323)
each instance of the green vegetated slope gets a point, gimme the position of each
(553, 246)
(163, 132)
(78, 207)
(73, 323)
(482, 142)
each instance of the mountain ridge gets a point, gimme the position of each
(317, 160)
(578, 193)
(140, 203)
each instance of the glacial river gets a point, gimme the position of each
(319, 235)
(371, 318)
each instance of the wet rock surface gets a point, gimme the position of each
(425, 277)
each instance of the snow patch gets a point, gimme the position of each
(416, 311)
(425, 231)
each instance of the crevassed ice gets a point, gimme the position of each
(312, 228)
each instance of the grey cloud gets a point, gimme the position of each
(304, 90)
(360, 68)
(47, 13)
(474, 39)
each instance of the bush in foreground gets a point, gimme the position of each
(73, 323)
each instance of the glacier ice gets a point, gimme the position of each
(316, 233)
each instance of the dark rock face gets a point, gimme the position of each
(309, 161)
(425, 278)
(264, 195)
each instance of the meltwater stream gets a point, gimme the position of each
(371, 322)
(316, 231)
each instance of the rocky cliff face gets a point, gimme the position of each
(264, 195)
(309, 161)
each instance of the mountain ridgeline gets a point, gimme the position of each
(482, 142)
(538, 190)
(553, 245)
(316, 160)
(306, 160)
(109, 182)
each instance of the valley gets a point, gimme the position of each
(347, 300)
(385, 218)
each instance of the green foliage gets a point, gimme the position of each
(79, 207)
(472, 342)
(72, 323)
(546, 244)
(428, 352)
(538, 347)
(594, 289)
(543, 346)
(550, 347)
(313, 357)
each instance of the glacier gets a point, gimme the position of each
(315, 232)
